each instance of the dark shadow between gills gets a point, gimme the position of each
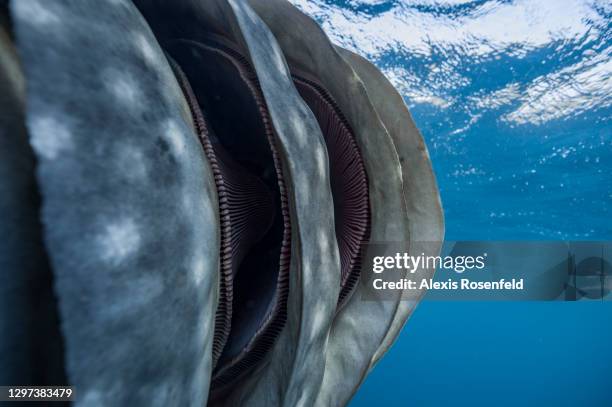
(349, 181)
(233, 124)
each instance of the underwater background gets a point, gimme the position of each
(514, 100)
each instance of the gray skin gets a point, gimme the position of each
(297, 361)
(293, 370)
(30, 343)
(425, 215)
(293, 363)
(130, 208)
(129, 204)
(395, 205)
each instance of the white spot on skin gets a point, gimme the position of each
(301, 131)
(198, 270)
(93, 398)
(132, 163)
(322, 160)
(175, 136)
(36, 12)
(320, 319)
(119, 240)
(204, 332)
(49, 137)
(123, 87)
(145, 47)
(187, 203)
(323, 239)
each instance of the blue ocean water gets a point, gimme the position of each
(514, 100)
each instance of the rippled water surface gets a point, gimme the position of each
(514, 100)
